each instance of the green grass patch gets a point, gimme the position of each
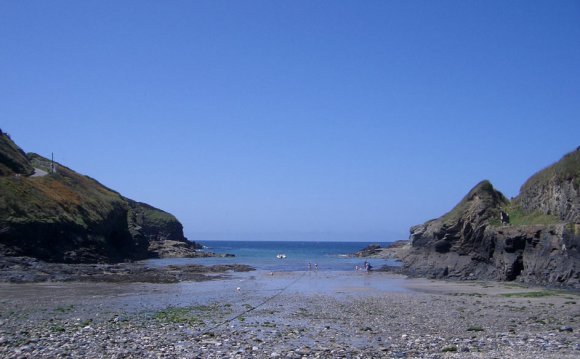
(538, 294)
(176, 315)
(155, 216)
(519, 217)
(57, 329)
(64, 309)
(449, 349)
(567, 168)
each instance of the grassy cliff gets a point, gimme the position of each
(552, 194)
(12, 158)
(64, 216)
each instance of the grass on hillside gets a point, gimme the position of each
(61, 196)
(156, 216)
(12, 159)
(485, 192)
(518, 217)
(565, 169)
(539, 294)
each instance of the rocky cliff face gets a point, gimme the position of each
(554, 190)
(541, 246)
(62, 216)
(464, 225)
(161, 231)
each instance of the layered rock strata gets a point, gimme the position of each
(541, 245)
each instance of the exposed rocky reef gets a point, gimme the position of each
(391, 251)
(368, 251)
(30, 270)
(535, 238)
(50, 212)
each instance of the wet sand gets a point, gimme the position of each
(292, 314)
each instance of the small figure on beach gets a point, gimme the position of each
(368, 266)
(309, 265)
(356, 268)
(316, 267)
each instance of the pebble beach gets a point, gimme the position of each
(288, 315)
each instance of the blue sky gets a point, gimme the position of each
(299, 119)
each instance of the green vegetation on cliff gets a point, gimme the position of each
(482, 196)
(56, 214)
(64, 196)
(519, 217)
(567, 169)
(540, 244)
(156, 216)
(12, 158)
(554, 191)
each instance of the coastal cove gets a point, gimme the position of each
(261, 255)
(290, 179)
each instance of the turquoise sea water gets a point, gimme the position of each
(330, 256)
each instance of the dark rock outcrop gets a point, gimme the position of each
(161, 232)
(368, 251)
(536, 254)
(391, 251)
(542, 246)
(58, 215)
(458, 230)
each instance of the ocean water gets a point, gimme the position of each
(329, 256)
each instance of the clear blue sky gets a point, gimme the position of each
(294, 119)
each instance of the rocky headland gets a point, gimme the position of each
(54, 214)
(376, 251)
(534, 238)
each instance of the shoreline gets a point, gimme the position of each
(289, 315)
(31, 270)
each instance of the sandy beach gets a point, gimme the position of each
(289, 315)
